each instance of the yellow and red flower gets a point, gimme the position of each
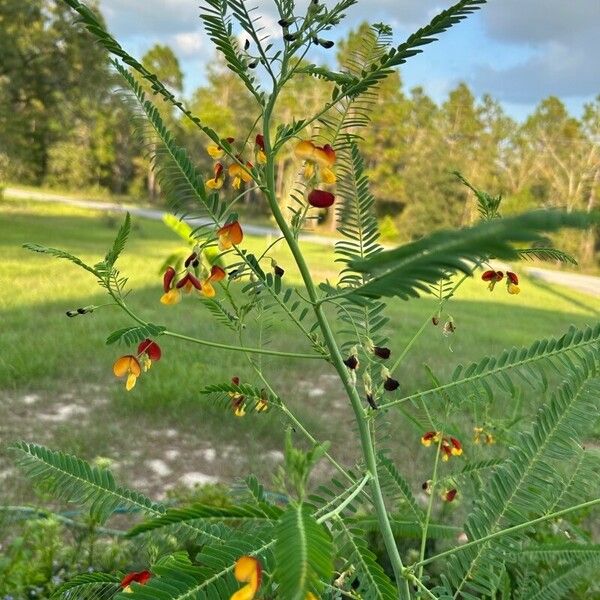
(217, 152)
(247, 570)
(449, 495)
(216, 274)
(230, 235)
(149, 352)
(512, 283)
(493, 277)
(141, 577)
(216, 183)
(431, 437)
(127, 366)
(238, 401)
(259, 149)
(450, 447)
(172, 295)
(239, 174)
(321, 158)
(480, 435)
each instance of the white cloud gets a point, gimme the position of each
(561, 39)
(188, 43)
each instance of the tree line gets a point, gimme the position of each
(63, 122)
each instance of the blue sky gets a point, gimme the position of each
(520, 51)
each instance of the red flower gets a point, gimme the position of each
(321, 199)
(382, 352)
(150, 349)
(187, 282)
(493, 277)
(449, 495)
(141, 577)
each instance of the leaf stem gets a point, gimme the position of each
(278, 353)
(338, 509)
(513, 529)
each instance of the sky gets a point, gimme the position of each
(519, 51)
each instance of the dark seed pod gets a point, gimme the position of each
(253, 64)
(246, 44)
(284, 23)
(327, 44)
(382, 352)
(71, 313)
(290, 37)
(391, 384)
(81, 311)
(196, 264)
(352, 362)
(372, 402)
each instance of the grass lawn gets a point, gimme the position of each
(57, 387)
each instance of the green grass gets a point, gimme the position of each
(55, 372)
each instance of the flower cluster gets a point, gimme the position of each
(493, 277)
(238, 400)
(238, 170)
(318, 168)
(131, 366)
(389, 383)
(194, 277)
(449, 446)
(481, 436)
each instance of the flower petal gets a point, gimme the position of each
(321, 199)
(126, 364)
(171, 297)
(217, 273)
(214, 151)
(512, 277)
(513, 289)
(131, 381)
(168, 278)
(140, 577)
(207, 289)
(152, 349)
(230, 235)
(328, 176)
(305, 149)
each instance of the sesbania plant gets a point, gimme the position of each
(514, 542)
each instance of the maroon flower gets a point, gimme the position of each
(352, 362)
(391, 384)
(151, 349)
(321, 199)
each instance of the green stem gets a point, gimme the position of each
(340, 507)
(338, 362)
(188, 338)
(509, 530)
(429, 507)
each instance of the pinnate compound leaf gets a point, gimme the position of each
(411, 268)
(303, 554)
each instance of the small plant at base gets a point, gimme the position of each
(314, 547)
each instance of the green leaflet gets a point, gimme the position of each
(303, 554)
(89, 586)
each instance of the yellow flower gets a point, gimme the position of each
(171, 297)
(216, 183)
(247, 570)
(230, 235)
(239, 174)
(129, 366)
(259, 150)
(431, 437)
(321, 157)
(513, 289)
(215, 151)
